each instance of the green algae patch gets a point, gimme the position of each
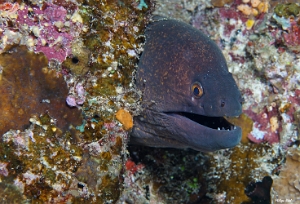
(287, 10)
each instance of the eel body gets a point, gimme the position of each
(187, 91)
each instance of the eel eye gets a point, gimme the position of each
(197, 89)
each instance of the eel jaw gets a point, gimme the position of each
(205, 133)
(217, 123)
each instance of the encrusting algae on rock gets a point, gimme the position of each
(29, 88)
(69, 146)
(40, 162)
(287, 185)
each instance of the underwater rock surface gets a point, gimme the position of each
(40, 162)
(66, 69)
(29, 88)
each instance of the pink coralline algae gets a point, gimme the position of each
(71, 101)
(78, 98)
(3, 169)
(292, 38)
(53, 32)
(267, 125)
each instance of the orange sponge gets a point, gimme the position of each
(125, 118)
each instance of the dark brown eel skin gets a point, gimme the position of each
(186, 91)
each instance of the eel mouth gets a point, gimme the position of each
(217, 123)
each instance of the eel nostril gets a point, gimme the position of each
(242, 100)
(222, 102)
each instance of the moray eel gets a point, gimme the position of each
(186, 91)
